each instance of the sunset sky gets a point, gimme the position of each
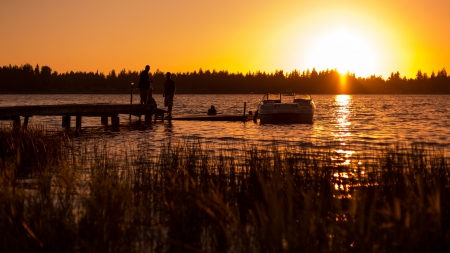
(363, 36)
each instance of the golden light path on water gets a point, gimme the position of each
(342, 133)
(342, 105)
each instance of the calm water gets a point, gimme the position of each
(346, 124)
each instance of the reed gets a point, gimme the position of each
(192, 199)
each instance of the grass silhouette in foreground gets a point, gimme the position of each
(61, 196)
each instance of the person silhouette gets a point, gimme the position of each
(144, 84)
(169, 93)
(212, 110)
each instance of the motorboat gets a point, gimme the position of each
(297, 109)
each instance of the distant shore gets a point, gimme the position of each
(28, 80)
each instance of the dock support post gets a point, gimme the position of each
(115, 122)
(131, 97)
(25, 122)
(78, 124)
(16, 122)
(104, 120)
(148, 118)
(245, 107)
(66, 121)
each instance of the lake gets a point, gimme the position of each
(349, 125)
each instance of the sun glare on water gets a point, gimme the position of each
(344, 50)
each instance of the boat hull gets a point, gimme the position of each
(274, 111)
(286, 118)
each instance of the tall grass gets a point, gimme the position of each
(192, 199)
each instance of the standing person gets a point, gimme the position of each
(144, 84)
(169, 93)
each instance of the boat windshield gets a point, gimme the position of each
(302, 96)
(278, 97)
(272, 97)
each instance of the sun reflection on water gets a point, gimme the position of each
(342, 133)
(342, 154)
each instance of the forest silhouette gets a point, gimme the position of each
(26, 79)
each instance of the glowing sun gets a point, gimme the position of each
(344, 50)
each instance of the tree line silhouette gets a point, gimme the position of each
(28, 80)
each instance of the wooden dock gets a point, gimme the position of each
(220, 117)
(104, 111)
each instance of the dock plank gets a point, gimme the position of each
(220, 117)
(74, 109)
(66, 111)
(104, 110)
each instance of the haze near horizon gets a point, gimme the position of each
(373, 37)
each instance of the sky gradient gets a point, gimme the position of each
(361, 36)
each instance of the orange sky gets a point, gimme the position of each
(362, 36)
